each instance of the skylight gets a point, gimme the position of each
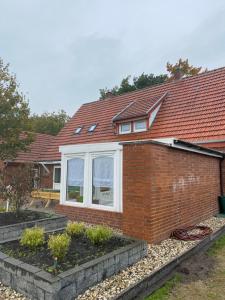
(78, 130)
(92, 128)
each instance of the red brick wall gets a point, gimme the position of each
(164, 189)
(46, 179)
(93, 216)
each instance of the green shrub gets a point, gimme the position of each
(99, 234)
(33, 237)
(75, 228)
(59, 245)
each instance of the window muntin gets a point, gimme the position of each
(125, 128)
(140, 125)
(103, 181)
(75, 180)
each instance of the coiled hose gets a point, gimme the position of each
(185, 235)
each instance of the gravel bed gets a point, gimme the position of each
(157, 256)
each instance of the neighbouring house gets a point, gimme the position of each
(47, 176)
(139, 162)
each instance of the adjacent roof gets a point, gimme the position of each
(194, 109)
(36, 149)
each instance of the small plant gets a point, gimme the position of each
(59, 245)
(99, 234)
(33, 237)
(75, 228)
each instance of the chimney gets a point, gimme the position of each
(178, 74)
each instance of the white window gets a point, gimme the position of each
(91, 176)
(140, 125)
(75, 180)
(92, 128)
(56, 177)
(102, 180)
(125, 128)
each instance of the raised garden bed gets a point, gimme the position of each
(84, 266)
(11, 226)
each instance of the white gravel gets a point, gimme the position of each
(157, 256)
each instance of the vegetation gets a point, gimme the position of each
(182, 69)
(48, 123)
(16, 186)
(217, 246)
(33, 237)
(75, 228)
(14, 113)
(59, 245)
(164, 291)
(99, 234)
(139, 82)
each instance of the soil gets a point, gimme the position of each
(202, 277)
(10, 218)
(81, 251)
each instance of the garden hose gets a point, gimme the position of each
(186, 235)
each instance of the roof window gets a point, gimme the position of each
(78, 130)
(92, 128)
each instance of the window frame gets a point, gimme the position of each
(55, 183)
(126, 132)
(88, 155)
(139, 130)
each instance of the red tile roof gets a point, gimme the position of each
(36, 148)
(193, 110)
(136, 109)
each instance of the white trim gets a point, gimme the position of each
(153, 114)
(50, 162)
(97, 147)
(124, 132)
(157, 103)
(88, 152)
(56, 186)
(140, 130)
(171, 143)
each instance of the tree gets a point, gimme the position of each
(139, 82)
(49, 123)
(16, 186)
(182, 69)
(14, 112)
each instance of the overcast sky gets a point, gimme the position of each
(64, 51)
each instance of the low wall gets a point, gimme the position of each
(40, 285)
(14, 231)
(90, 215)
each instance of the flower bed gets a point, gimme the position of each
(86, 263)
(12, 225)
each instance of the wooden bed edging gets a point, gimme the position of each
(155, 280)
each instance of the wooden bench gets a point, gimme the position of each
(45, 195)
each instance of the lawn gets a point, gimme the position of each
(200, 278)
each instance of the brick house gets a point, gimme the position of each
(141, 161)
(46, 173)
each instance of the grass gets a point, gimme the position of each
(217, 246)
(164, 291)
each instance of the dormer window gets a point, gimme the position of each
(125, 128)
(92, 128)
(78, 130)
(140, 125)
